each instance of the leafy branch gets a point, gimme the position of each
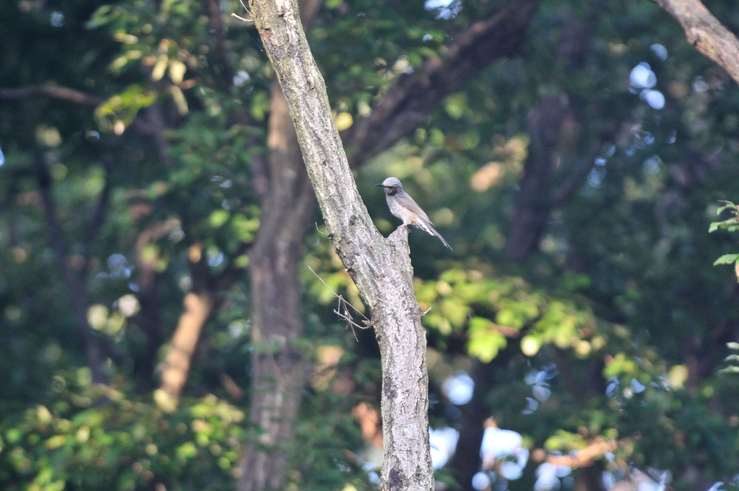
(731, 224)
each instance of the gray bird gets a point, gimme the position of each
(404, 207)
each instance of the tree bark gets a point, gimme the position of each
(380, 267)
(277, 365)
(706, 33)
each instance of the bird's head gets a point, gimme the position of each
(391, 185)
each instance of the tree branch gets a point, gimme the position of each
(381, 268)
(706, 33)
(586, 456)
(52, 91)
(409, 101)
(215, 23)
(98, 219)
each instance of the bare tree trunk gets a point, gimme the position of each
(381, 268)
(277, 366)
(706, 33)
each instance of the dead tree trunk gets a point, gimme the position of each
(380, 267)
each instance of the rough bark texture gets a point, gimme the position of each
(706, 33)
(380, 267)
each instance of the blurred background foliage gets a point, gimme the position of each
(577, 332)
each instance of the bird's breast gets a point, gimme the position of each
(399, 210)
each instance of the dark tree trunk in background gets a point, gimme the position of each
(534, 201)
(466, 461)
(553, 173)
(409, 101)
(590, 478)
(277, 366)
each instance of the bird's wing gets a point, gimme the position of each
(423, 222)
(404, 199)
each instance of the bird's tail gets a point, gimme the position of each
(429, 229)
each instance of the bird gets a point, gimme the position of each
(404, 207)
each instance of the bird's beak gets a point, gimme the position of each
(380, 185)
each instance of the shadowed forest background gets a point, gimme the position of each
(170, 301)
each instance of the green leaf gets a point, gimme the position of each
(454, 310)
(100, 17)
(456, 105)
(218, 217)
(730, 224)
(565, 440)
(727, 205)
(484, 341)
(726, 259)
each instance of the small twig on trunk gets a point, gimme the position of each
(342, 302)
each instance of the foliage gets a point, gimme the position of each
(80, 441)
(730, 224)
(612, 328)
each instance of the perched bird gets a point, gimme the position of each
(404, 207)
